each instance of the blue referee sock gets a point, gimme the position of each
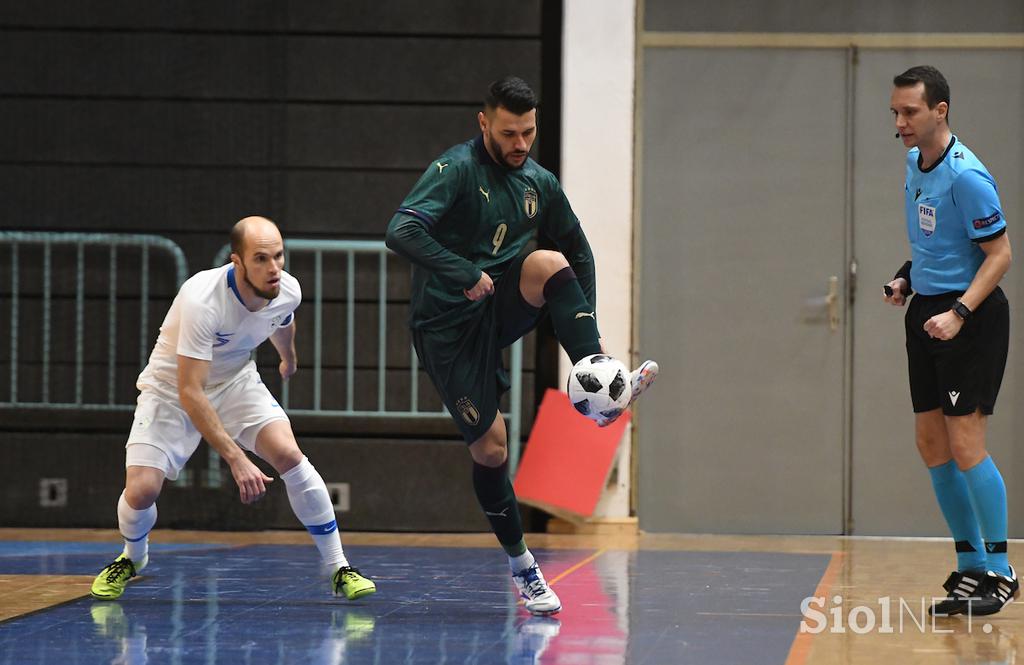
(988, 495)
(955, 501)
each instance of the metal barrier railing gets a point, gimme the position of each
(349, 249)
(14, 240)
(11, 243)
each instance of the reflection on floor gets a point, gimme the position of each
(260, 598)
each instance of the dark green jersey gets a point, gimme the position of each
(468, 214)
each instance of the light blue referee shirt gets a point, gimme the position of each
(951, 207)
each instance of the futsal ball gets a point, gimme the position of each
(599, 387)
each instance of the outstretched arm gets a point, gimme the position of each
(283, 340)
(409, 237)
(192, 374)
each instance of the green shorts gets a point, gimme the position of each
(465, 362)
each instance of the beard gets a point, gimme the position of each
(503, 157)
(262, 293)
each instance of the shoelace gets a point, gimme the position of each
(119, 567)
(533, 582)
(347, 570)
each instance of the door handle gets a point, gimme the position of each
(830, 301)
(833, 303)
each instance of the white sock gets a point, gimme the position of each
(520, 563)
(311, 503)
(135, 526)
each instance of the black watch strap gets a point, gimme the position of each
(962, 310)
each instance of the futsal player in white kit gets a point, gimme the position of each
(201, 383)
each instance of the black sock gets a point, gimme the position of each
(574, 319)
(494, 492)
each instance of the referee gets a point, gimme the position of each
(958, 329)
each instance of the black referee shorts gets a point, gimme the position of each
(963, 374)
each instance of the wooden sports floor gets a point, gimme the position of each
(258, 597)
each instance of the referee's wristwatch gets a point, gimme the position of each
(962, 310)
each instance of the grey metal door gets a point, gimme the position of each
(743, 226)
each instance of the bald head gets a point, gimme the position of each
(250, 228)
(257, 252)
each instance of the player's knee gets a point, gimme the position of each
(544, 263)
(276, 445)
(490, 452)
(285, 459)
(931, 448)
(141, 495)
(142, 486)
(966, 452)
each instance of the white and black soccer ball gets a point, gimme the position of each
(599, 387)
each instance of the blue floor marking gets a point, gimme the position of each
(256, 604)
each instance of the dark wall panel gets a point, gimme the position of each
(453, 17)
(345, 204)
(367, 136)
(382, 499)
(141, 132)
(190, 134)
(458, 70)
(259, 67)
(88, 64)
(349, 203)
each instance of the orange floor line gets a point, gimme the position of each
(801, 647)
(572, 569)
(576, 567)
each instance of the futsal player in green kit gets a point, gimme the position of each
(464, 226)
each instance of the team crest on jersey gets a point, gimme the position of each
(530, 202)
(468, 411)
(276, 321)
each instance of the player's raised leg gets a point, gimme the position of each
(547, 279)
(311, 503)
(497, 498)
(136, 515)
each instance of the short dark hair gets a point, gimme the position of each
(513, 93)
(936, 89)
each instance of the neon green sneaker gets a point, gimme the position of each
(112, 580)
(348, 582)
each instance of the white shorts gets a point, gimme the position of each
(164, 438)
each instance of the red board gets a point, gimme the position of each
(567, 459)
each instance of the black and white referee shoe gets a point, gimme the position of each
(963, 589)
(997, 591)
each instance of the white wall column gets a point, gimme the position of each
(597, 174)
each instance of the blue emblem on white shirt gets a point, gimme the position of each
(222, 338)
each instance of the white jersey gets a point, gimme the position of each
(208, 321)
